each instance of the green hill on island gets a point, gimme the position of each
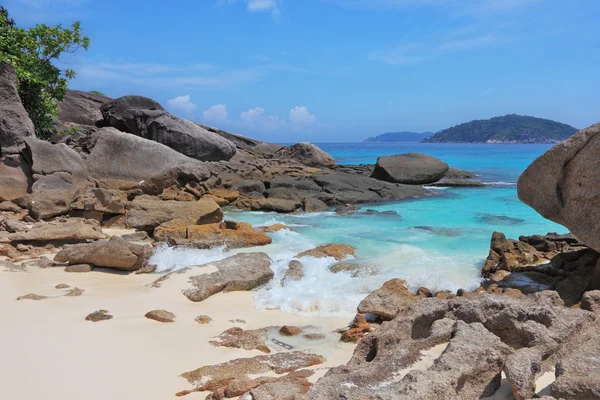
(510, 128)
(390, 137)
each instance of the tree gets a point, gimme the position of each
(31, 52)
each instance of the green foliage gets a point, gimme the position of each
(31, 52)
(73, 130)
(509, 128)
(96, 92)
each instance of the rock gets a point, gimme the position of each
(147, 213)
(115, 253)
(14, 120)
(347, 209)
(355, 269)
(234, 235)
(295, 272)
(13, 180)
(454, 173)
(75, 292)
(79, 268)
(492, 219)
(387, 301)
(339, 251)
(160, 316)
(357, 330)
(411, 168)
(8, 206)
(591, 301)
(281, 390)
(275, 228)
(521, 369)
(48, 159)
(99, 200)
(120, 160)
(69, 230)
(561, 185)
(314, 336)
(22, 248)
(247, 187)
(52, 196)
(145, 118)
(81, 107)
(287, 330)
(236, 273)
(307, 154)
(62, 286)
(138, 236)
(203, 319)
(252, 146)
(215, 377)
(314, 205)
(481, 331)
(147, 269)
(32, 296)
(277, 205)
(242, 339)
(97, 316)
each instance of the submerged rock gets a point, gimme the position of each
(339, 251)
(492, 219)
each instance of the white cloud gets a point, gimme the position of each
(182, 103)
(255, 119)
(216, 114)
(257, 5)
(301, 118)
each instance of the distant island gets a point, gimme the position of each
(510, 128)
(390, 137)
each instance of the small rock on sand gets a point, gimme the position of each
(79, 268)
(32, 296)
(203, 319)
(161, 316)
(75, 292)
(62, 286)
(101, 315)
(287, 330)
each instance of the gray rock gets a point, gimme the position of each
(314, 205)
(120, 160)
(161, 316)
(252, 146)
(295, 272)
(81, 107)
(46, 158)
(521, 368)
(99, 200)
(236, 273)
(52, 196)
(13, 180)
(562, 185)
(14, 120)
(115, 253)
(249, 186)
(411, 168)
(307, 154)
(146, 118)
(591, 301)
(146, 213)
(8, 206)
(79, 268)
(387, 301)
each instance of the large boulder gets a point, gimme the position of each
(121, 160)
(387, 301)
(146, 213)
(52, 196)
(146, 118)
(562, 185)
(249, 145)
(70, 230)
(15, 123)
(411, 169)
(46, 159)
(81, 108)
(115, 253)
(307, 154)
(14, 183)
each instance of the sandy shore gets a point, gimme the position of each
(49, 351)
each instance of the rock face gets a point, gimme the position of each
(115, 253)
(119, 160)
(562, 185)
(81, 108)
(146, 118)
(251, 146)
(234, 235)
(235, 273)
(146, 213)
(307, 154)
(411, 168)
(13, 180)
(482, 332)
(14, 120)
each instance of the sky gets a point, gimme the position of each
(337, 70)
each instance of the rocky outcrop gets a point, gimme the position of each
(483, 333)
(251, 146)
(14, 120)
(411, 168)
(66, 230)
(307, 154)
(240, 272)
(146, 213)
(82, 108)
(119, 160)
(242, 339)
(562, 185)
(339, 251)
(146, 118)
(115, 253)
(233, 235)
(387, 301)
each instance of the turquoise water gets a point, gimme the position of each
(439, 242)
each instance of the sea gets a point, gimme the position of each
(439, 242)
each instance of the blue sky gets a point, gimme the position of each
(338, 70)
